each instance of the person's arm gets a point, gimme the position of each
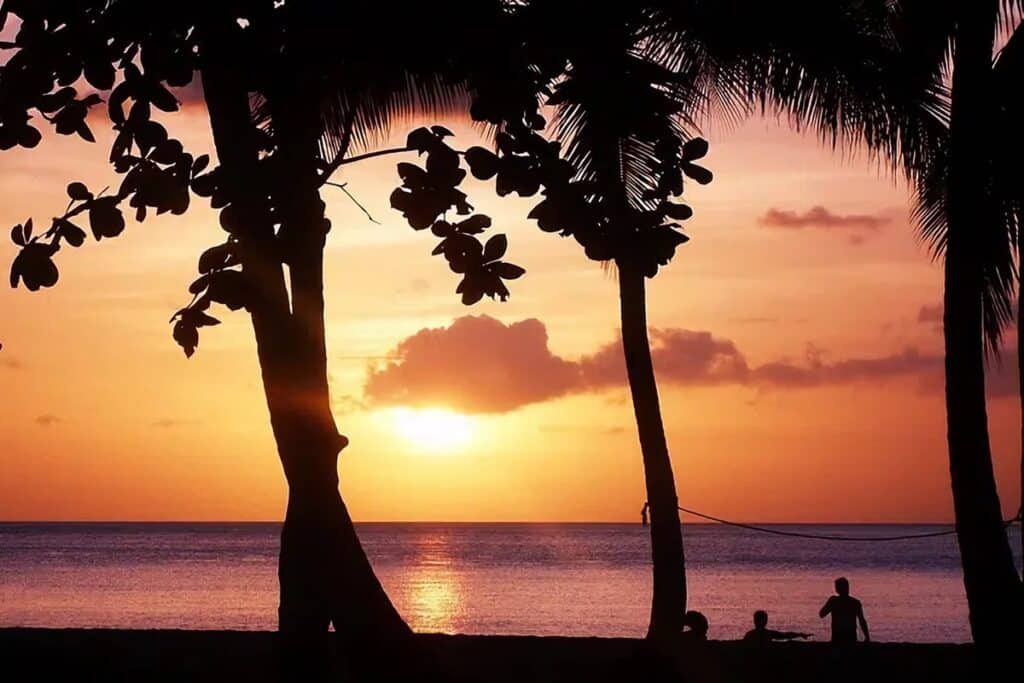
(826, 609)
(787, 635)
(863, 623)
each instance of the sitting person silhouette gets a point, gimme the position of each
(846, 613)
(761, 635)
(695, 627)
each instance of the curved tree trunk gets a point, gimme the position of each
(669, 601)
(325, 576)
(354, 601)
(990, 579)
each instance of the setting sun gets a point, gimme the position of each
(432, 429)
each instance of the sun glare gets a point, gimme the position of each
(433, 429)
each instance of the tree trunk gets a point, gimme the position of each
(350, 596)
(669, 601)
(325, 576)
(990, 579)
(1020, 384)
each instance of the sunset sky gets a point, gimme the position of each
(796, 338)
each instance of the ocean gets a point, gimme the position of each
(540, 579)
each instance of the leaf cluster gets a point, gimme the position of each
(426, 196)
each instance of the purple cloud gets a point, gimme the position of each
(482, 365)
(821, 218)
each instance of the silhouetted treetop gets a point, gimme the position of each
(607, 168)
(68, 57)
(62, 56)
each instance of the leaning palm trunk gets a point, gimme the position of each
(669, 600)
(325, 576)
(990, 579)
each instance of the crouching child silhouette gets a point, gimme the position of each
(761, 635)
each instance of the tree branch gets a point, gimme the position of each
(340, 161)
(341, 186)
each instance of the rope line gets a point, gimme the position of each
(827, 537)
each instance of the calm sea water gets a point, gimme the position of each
(569, 579)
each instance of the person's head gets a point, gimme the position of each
(697, 623)
(842, 586)
(760, 619)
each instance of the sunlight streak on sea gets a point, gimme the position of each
(543, 579)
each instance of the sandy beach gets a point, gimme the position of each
(117, 655)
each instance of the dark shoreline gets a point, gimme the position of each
(116, 655)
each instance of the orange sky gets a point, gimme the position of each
(816, 395)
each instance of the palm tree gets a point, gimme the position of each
(641, 75)
(639, 78)
(620, 116)
(607, 181)
(978, 284)
(1009, 185)
(969, 210)
(873, 73)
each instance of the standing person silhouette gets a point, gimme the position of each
(846, 613)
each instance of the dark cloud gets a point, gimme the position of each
(821, 218)
(10, 364)
(48, 420)
(481, 365)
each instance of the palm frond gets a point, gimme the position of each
(364, 85)
(846, 79)
(994, 239)
(615, 98)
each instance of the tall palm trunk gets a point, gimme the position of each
(990, 579)
(1020, 391)
(325, 576)
(669, 602)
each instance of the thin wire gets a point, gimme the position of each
(826, 537)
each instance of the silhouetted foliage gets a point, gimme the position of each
(642, 229)
(608, 180)
(624, 97)
(59, 50)
(426, 195)
(287, 103)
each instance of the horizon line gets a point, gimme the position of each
(442, 521)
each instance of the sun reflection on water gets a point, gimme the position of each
(433, 590)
